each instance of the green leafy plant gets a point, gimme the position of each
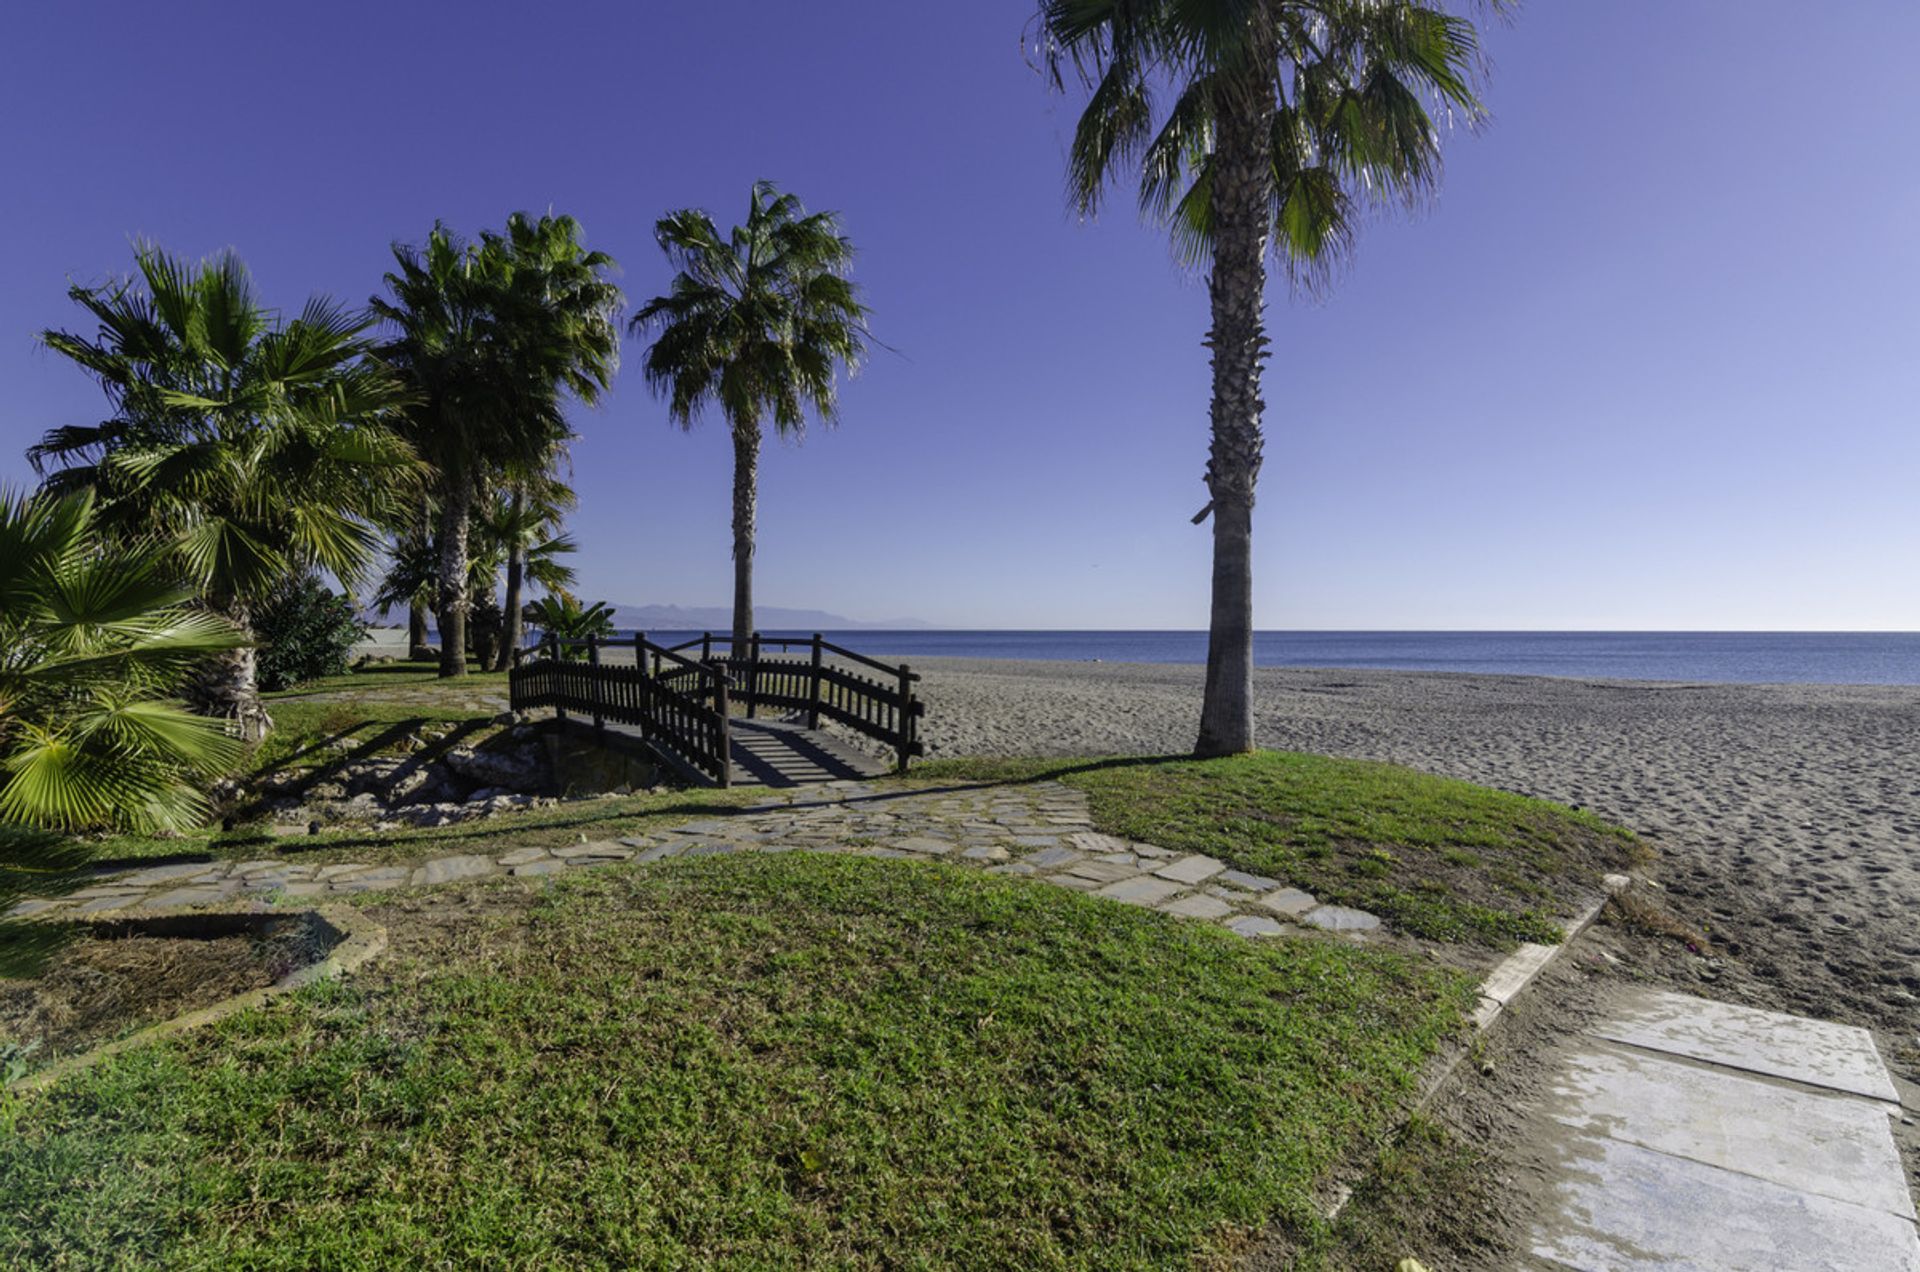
(306, 631)
(563, 616)
(94, 634)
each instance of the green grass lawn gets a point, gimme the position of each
(757, 1061)
(1437, 858)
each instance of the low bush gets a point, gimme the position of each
(306, 631)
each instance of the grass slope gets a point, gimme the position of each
(1438, 858)
(761, 1061)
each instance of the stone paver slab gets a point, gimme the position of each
(1340, 918)
(1291, 902)
(164, 874)
(1251, 882)
(1818, 1053)
(925, 844)
(546, 866)
(448, 869)
(1197, 905)
(1049, 857)
(1197, 868)
(1257, 925)
(181, 898)
(1835, 1145)
(1623, 1208)
(1142, 890)
(521, 856)
(1102, 871)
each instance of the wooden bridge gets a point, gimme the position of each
(730, 716)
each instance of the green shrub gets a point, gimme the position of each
(305, 632)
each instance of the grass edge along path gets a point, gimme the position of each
(788, 1060)
(1436, 858)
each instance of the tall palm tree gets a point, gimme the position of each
(756, 323)
(493, 337)
(95, 632)
(523, 526)
(258, 448)
(1287, 119)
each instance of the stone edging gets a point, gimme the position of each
(1510, 978)
(360, 939)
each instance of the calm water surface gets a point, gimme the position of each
(1729, 657)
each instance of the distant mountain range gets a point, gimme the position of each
(769, 618)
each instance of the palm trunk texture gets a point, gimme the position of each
(227, 687)
(417, 647)
(1237, 290)
(453, 581)
(510, 633)
(746, 487)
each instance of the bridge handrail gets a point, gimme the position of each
(889, 713)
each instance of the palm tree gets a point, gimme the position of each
(94, 630)
(523, 527)
(756, 323)
(1288, 118)
(259, 449)
(493, 337)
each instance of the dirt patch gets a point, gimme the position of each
(105, 979)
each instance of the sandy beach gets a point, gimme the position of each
(1787, 817)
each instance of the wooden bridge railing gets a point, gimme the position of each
(881, 706)
(682, 702)
(682, 708)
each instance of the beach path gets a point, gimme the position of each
(1689, 1133)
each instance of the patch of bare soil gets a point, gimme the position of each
(108, 978)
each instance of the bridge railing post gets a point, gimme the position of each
(726, 745)
(593, 683)
(559, 674)
(904, 724)
(753, 675)
(813, 693)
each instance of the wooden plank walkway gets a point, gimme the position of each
(782, 754)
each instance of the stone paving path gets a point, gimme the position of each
(1040, 830)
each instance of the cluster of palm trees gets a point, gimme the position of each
(428, 431)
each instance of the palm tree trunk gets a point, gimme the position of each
(746, 497)
(1237, 290)
(453, 579)
(510, 633)
(228, 686)
(417, 647)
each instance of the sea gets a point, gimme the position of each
(1865, 658)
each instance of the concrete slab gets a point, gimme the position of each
(1624, 1208)
(1816, 1052)
(1515, 970)
(1834, 1145)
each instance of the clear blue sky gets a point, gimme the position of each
(1651, 362)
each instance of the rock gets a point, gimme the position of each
(520, 769)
